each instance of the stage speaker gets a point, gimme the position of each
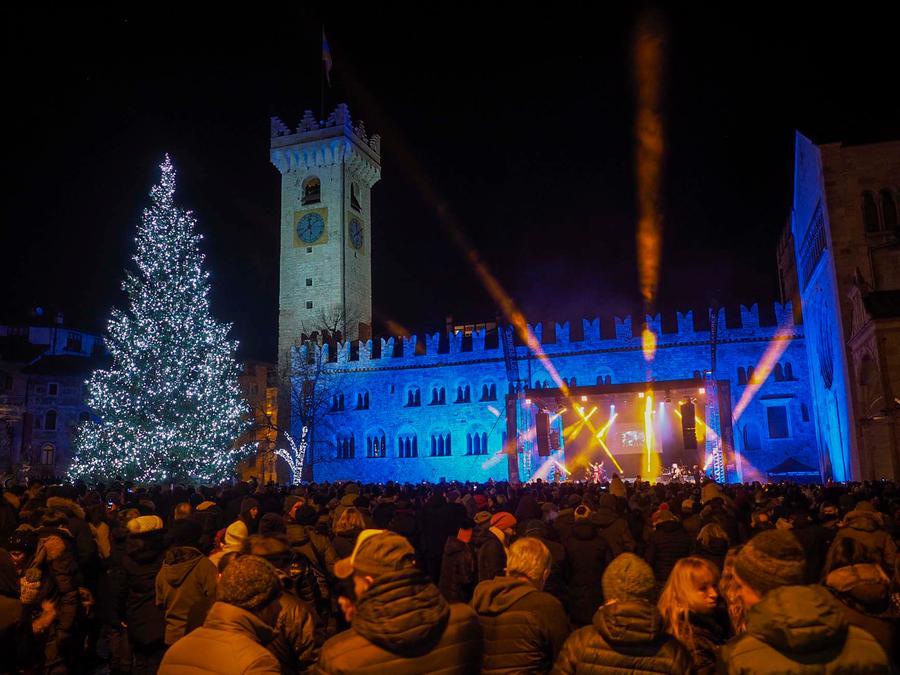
(542, 427)
(688, 428)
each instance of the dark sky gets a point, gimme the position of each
(521, 121)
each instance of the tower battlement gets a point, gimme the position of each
(338, 123)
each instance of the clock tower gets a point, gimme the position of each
(327, 171)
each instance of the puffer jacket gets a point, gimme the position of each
(867, 528)
(187, 577)
(230, 642)
(457, 579)
(800, 629)
(295, 630)
(141, 563)
(864, 594)
(614, 529)
(524, 628)
(85, 546)
(588, 554)
(624, 637)
(491, 555)
(403, 625)
(666, 546)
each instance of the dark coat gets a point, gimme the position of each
(344, 542)
(186, 578)
(230, 642)
(457, 571)
(142, 561)
(403, 625)
(524, 628)
(867, 528)
(624, 637)
(714, 551)
(614, 529)
(295, 631)
(491, 557)
(588, 554)
(864, 594)
(815, 541)
(668, 544)
(800, 629)
(710, 634)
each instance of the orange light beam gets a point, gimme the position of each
(778, 344)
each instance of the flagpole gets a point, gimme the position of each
(322, 81)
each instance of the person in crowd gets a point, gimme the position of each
(792, 628)
(556, 582)
(729, 591)
(314, 552)
(627, 633)
(400, 622)
(690, 518)
(492, 552)
(691, 612)
(295, 627)
(239, 624)
(524, 628)
(712, 544)
(183, 510)
(457, 580)
(867, 527)
(185, 578)
(209, 515)
(346, 529)
(859, 583)
(815, 540)
(565, 517)
(145, 546)
(587, 554)
(667, 544)
(232, 542)
(612, 526)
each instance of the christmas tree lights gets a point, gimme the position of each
(169, 407)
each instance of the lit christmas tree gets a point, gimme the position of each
(169, 407)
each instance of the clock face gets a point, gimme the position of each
(356, 233)
(310, 227)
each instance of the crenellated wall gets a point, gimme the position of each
(391, 374)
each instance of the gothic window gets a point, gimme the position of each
(438, 396)
(337, 402)
(463, 394)
(48, 454)
(804, 412)
(345, 446)
(407, 446)
(53, 389)
(751, 376)
(789, 371)
(376, 445)
(50, 421)
(742, 375)
(413, 397)
(354, 197)
(476, 443)
(312, 191)
(777, 418)
(779, 373)
(468, 444)
(888, 209)
(440, 444)
(73, 342)
(308, 281)
(870, 212)
(362, 400)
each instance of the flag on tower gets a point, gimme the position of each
(326, 57)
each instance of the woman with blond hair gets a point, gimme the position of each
(689, 605)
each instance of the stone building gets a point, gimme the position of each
(444, 405)
(257, 383)
(844, 226)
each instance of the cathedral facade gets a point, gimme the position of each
(729, 390)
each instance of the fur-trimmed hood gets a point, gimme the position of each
(67, 505)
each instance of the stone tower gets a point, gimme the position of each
(327, 171)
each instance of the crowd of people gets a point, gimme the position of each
(449, 578)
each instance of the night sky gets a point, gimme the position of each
(522, 124)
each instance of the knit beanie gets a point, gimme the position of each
(144, 524)
(306, 515)
(249, 582)
(503, 520)
(235, 535)
(709, 492)
(629, 578)
(272, 523)
(771, 559)
(482, 517)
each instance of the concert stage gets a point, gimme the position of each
(637, 429)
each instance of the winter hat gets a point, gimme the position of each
(351, 489)
(573, 500)
(710, 491)
(662, 516)
(482, 517)
(249, 582)
(306, 515)
(481, 502)
(235, 535)
(864, 506)
(582, 512)
(271, 524)
(348, 499)
(376, 552)
(503, 520)
(146, 506)
(687, 506)
(608, 501)
(144, 524)
(629, 578)
(248, 503)
(203, 506)
(185, 532)
(771, 559)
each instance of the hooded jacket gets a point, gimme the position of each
(141, 563)
(624, 636)
(667, 545)
(799, 629)
(866, 526)
(186, 578)
(230, 642)
(864, 594)
(588, 554)
(85, 546)
(612, 527)
(524, 628)
(457, 570)
(403, 625)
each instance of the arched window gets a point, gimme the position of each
(312, 191)
(779, 373)
(870, 212)
(376, 445)
(362, 400)
(468, 444)
(48, 454)
(440, 444)
(484, 445)
(407, 446)
(354, 197)
(742, 375)
(50, 421)
(438, 396)
(485, 393)
(346, 447)
(789, 371)
(888, 210)
(751, 376)
(463, 394)
(413, 397)
(804, 412)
